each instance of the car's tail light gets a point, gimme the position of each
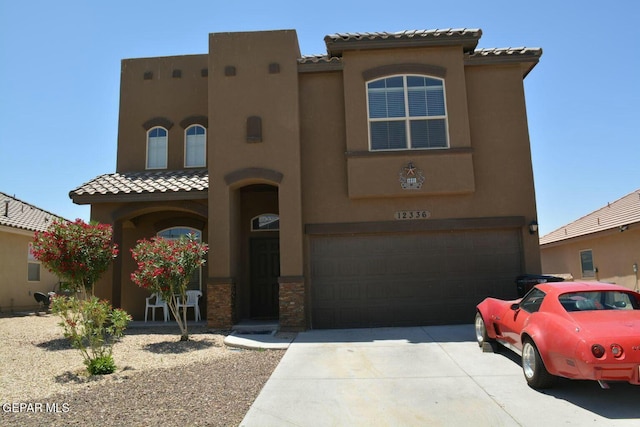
(617, 351)
(597, 350)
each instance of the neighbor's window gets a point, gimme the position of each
(174, 233)
(586, 263)
(195, 147)
(33, 266)
(407, 112)
(157, 148)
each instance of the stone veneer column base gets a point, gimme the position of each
(292, 304)
(220, 305)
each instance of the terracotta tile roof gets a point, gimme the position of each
(407, 34)
(21, 215)
(507, 51)
(315, 59)
(468, 37)
(179, 184)
(622, 212)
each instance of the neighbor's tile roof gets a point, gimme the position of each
(625, 211)
(21, 215)
(169, 184)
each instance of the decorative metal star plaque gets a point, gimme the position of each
(411, 178)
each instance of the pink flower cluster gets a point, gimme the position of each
(165, 265)
(76, 251)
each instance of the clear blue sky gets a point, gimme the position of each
(60, 70)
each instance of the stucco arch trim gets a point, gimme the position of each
(158, 121)
(247, 176)
(136, 209)
(387, 70)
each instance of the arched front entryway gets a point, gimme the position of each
(259, 238)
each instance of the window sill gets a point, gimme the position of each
(409, 152)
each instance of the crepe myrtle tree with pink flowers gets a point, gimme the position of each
(80, 253)
(77, 252)
(165, 266)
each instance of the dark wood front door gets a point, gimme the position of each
(265, 270)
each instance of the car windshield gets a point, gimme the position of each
(599, 300)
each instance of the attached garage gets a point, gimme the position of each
(418, 278)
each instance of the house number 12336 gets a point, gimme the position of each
(401, 215)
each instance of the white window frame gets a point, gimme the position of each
(186, 148)
(189, 230)
(31, 260)
(166, 149)
(407, 118)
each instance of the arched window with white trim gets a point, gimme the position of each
(407, 112)
(175, 233)
(157, 146)
(195, 147)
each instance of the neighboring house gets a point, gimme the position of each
(388, 182)
(20, 273)
(603, 245)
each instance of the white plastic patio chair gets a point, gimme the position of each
(158, 302)
(192, 301)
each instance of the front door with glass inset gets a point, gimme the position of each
(265, 270)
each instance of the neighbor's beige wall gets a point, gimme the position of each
(16, 292)
(614, 254)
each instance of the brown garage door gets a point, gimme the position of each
(410, 279)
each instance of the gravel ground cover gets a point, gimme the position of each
(159, 380)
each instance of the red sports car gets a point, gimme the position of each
(587, 330)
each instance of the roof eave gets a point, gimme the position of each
(337, 46)
(87, 199)
(614, 230)
(527, 60)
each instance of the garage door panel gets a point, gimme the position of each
(410, 279)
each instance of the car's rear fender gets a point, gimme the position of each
(555, 341)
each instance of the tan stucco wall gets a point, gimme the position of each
(175, 99)
(16, 292)
(254, 91)
(614, 254)
(499, 160)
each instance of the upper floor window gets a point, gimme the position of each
(407, 112)
(157, 148)
(195, 147)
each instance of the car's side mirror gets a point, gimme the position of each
(515, 307)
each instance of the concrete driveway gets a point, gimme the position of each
(423, 376)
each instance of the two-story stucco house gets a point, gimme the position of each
(388, 182)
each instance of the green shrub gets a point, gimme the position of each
(93, 326)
